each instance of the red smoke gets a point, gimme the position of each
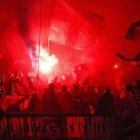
(74, 32)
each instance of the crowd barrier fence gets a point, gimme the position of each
(43, 126)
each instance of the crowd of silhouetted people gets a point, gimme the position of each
(78, 100)
(88, 101)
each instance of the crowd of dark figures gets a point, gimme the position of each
(77, 100)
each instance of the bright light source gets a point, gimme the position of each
(46, 62)
(116, 66)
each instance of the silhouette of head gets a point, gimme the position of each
(64, 88)
(107, 91)
(35, 95)
(51, 86)
(137, 82)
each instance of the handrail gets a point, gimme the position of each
(54, 114)
(48, 125)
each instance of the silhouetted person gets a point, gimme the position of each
(106, 104)
(49, 101)
(75, 90)
(34, 104)
(92, 98)
(1, 106)
(135, 90)
(10, 86)
(65, 100)
(91, 91)
(79, 102)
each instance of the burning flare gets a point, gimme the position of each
(46, 62)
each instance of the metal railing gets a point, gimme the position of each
(43, 126)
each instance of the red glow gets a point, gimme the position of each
(116, 66)
(122, 95)
(74, 32)
(46, 62)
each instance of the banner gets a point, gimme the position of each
(43, 127)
